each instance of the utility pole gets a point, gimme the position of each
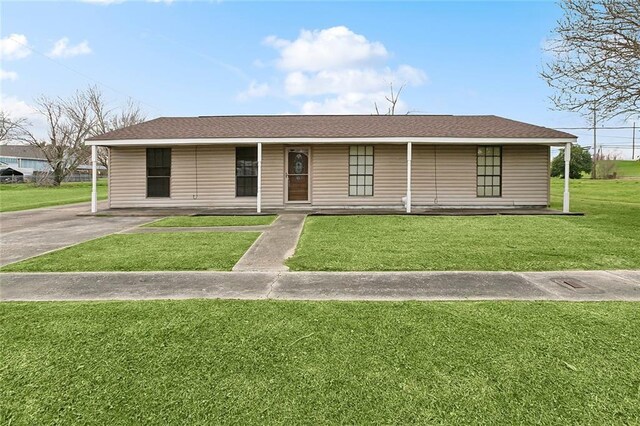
(593, 168)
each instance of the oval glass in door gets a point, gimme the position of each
(298, 175)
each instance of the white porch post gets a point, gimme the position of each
(259, 195)
(567, 160)
(94, 179)
(408, 177)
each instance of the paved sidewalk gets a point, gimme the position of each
(561, 285)
(28, 233)
(274, 246)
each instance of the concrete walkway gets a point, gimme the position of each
(561, 285)
(274, 246)
(28, 233)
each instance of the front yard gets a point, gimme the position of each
(232, 362)
(24, 196)
(195, 221)
(175, 251)
(607, 237)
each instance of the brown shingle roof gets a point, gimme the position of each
(333, 126)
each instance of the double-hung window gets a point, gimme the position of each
(158, 172)
(361, 170)
(489, 171)
(246, 171)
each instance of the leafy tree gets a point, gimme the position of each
(595, 55)
(580, 163)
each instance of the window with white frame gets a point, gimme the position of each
(489, 171)
(361, 170)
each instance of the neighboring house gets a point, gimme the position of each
(24, 157)
(29, 160)
(331, 162)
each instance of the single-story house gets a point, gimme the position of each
(283, 162)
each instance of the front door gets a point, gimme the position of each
(298, 174)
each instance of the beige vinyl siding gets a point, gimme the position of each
(330, 177)
(215, 178)
(525, 180)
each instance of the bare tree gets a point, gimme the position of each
(392, 100)
(13, 129)
(596, 58)
(107, 120)
(68, 123)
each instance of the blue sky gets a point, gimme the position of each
(211, 58)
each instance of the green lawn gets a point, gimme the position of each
(266, 362)
(191, 221)
(27, 196)
(608, 237)
(176, 251)
(628, 169)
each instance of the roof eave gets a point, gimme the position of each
(351, 140)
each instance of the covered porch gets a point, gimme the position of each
(406, 195)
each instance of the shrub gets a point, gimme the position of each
(580, 163)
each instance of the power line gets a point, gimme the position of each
(591, 128)
(86, 76)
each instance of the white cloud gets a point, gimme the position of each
(16, 108)
(330, 49)
(335, 71)
(255, 90)
(8, 75)
(350, 80)
(62, 49)
(352, 103)
(14, 46)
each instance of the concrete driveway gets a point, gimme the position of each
(29, 233)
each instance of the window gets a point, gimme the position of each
(158, 172)
(246, 172)
(489, 171)
(361, 170)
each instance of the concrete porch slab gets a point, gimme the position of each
(181, 211)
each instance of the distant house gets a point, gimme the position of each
(331, 162)
(30, 160)
(24, 157)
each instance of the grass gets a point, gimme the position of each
(608, 237)
(191, 221)
(20, 196)
(628, 168)
(266, 362)
(176, 251)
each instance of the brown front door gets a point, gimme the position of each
(297, 174)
